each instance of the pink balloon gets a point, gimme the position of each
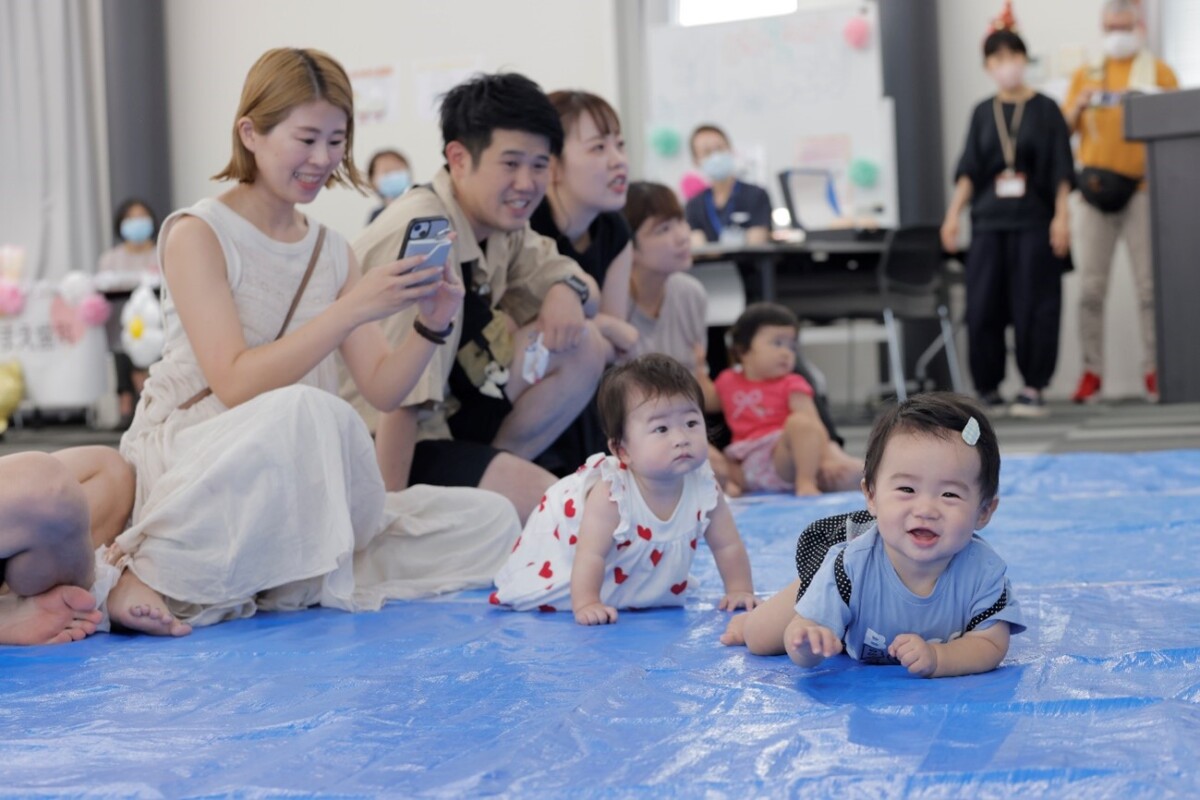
(93, 309)
(691, 185)
(12, 298)
(857, 32)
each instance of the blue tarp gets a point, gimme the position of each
(453, 697)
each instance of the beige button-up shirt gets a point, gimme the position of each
(519, 266)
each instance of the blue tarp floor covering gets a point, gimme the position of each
(452, 697)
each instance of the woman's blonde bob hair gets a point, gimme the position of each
(279, 81)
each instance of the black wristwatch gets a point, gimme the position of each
(579, 287)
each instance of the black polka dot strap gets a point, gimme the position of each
(995, 609)
(843, 580)
(823, 534)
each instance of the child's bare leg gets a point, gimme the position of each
(45, 553)
(761, 630)
(108, 486)
(797, 454)
(135, 606)
(43, 525)
(839, 471)
(728, 473)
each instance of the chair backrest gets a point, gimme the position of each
(912, 261)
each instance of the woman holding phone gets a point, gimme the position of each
(257, 486)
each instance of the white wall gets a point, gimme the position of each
(1057, 34)
(212, 44)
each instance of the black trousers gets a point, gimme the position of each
(1013, 278)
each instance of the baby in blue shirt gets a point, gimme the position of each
(908, 582)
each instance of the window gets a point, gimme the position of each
(1180, 25)
(707, 12)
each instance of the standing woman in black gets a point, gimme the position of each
(1016, 172)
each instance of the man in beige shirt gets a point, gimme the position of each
(479, 415)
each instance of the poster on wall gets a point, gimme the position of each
(376, 94)
(432, 79)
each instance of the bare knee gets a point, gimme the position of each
(802, 421)
(522, 482)
(586, 362)
(45, 527)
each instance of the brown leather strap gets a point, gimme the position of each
(287, 320)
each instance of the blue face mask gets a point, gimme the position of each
(137, 229)
(718, 166)
(393, 184)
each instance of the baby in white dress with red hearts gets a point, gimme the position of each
(622, 531)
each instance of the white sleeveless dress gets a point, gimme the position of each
(648, 563)
(279, 503)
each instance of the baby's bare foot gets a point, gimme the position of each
(135, 606)
(63, 614)
(734, 635)
(840, 473)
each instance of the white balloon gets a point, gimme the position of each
(75, 286)
(144, 350)
(142, 303)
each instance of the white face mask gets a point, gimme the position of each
(1121, 45)
(1009, 75)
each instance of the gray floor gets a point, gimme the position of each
(1106, 427)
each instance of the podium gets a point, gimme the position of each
(1169, 124)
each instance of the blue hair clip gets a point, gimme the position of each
(970, 432)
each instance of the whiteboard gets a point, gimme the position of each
(789, 91)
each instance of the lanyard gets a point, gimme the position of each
(710, 206)
(1008, 138)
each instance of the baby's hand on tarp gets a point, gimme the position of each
(807, 642)
(732, 601)
(595, 614)
(915, 653)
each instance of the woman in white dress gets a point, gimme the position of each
(257, 487)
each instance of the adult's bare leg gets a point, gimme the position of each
(543, 410)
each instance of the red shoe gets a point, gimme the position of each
(1152, 386)
(1089, 388)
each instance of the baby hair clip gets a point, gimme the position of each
(970, 432)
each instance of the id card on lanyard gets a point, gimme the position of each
(1010, 184)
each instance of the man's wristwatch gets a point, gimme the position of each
(578, 286)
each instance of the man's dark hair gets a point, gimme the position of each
(940, 414)
(1003, 39)
(475, 108)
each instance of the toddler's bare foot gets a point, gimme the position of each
(135, 606)
(840, 472)
(734, 635)
(63, 614)
(807, 488)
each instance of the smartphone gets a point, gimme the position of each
(428, 236)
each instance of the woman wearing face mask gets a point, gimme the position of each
(728, 204)
(1016, 172)
(390, 174)
(135, 226)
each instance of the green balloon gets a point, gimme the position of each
(666, 142)
(863, 173)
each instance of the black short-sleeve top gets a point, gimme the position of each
(609, 235)
(1043, 155)
(702, 213)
